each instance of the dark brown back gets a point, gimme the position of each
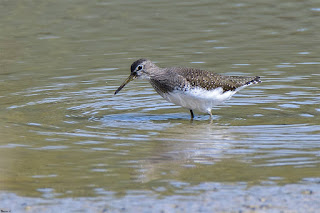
(209, 80)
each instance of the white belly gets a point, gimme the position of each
(198, 99)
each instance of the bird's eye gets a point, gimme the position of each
(139, 67)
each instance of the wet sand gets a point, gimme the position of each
(288, 198)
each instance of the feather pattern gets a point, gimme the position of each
(190, 88)
(198, 89)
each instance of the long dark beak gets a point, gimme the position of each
(130, 78)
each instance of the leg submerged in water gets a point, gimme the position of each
(191, 113)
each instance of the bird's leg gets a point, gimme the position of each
(192, 115)
(210, 113)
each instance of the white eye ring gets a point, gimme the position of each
(139, 67)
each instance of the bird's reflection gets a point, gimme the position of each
(186, 146)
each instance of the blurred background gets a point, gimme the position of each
(68, 144)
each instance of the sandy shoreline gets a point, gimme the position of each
(288, 198)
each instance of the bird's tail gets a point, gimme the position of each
(255, 80)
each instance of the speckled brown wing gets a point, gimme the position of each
(209, 80)
(168, 81)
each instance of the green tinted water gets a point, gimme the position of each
(65, 135)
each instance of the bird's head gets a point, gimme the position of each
(139, 69)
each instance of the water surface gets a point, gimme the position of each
(65, 138)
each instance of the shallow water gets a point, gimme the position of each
(65, 135)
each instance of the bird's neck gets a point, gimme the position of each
(156, 72)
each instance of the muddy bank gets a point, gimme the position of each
(288, 198)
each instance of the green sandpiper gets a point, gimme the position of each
(191, 88)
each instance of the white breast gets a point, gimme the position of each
(199, 99)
